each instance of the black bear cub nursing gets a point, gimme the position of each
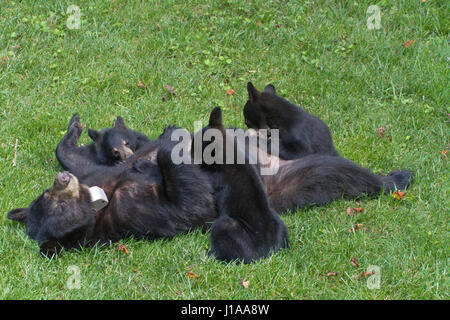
(247, 228)
(110, 146)
(115, 144)
(300, 133)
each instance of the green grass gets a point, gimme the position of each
(319, 54)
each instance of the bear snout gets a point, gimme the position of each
(62, 180)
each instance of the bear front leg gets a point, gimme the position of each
(77, 160)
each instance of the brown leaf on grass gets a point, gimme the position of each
(398, 195)
(354, 262)
(367, 274)
(278, 26)
(170, 89)
(122, 248)
(444, 154)
(406, 44)
(350, 211)
(355, 227)
(192, 275)
(259, 23)
(141, 85)
(381, 131)
(231, 92)
(245, 284)
(332, 274)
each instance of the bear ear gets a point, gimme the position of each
(120, 123)
(19, 214)
(253, 93)
(215, 118)
(95, 135)
(270, 88)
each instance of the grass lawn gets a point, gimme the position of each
(319, 54)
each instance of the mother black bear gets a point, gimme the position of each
(148, 198)
(152, 197)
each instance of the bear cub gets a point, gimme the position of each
(300, 133)
(110, 146)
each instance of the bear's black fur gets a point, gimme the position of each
(147, 199)
(300, 133)
(319, 179)
(247, 228)
(110, 146)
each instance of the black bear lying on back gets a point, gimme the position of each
(300, 133)
(247, 227)
(147, 199)
(110, 146)
(151, 198)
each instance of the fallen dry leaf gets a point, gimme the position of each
(170, 89)
(141, 85)
(367, 274)
(350, 211)
(192, 275)
(354, 262)
(259, 23)
(231, 92)
(398, 195)
(245, 284)
(331, 273)
(381, 131)
(122, 248)
(407, 43)
(444, 154)
(355, 227)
